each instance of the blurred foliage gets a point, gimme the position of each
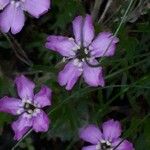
(126, 96)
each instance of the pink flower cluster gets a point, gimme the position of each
(81, 52)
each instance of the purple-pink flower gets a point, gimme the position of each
(28, 107)
(12, 16)
(82, 51)
(105, 138)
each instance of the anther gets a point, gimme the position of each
(71, 39)
(12, 2)
(80, 64)
(83, 59)
(27, 105)
(19, 111)
(98, 146)
(30, 111)
(85, 51)
(64, 59)
(17, 4)
(76, 62)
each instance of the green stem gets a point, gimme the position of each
(122, 20)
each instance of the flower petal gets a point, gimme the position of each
(18, 19)
(77, 29)
(125, 145)
(43, 97)
(101, 45)
(25, 87)
(21, 126)
(93, 76)
(41, 122)
(6, 18)
(10, 105)
(12, 17)
(37, 7)
(92, 147)
(88, 31)
(91, 134)
(3, 3)
(69, 75)
(62, 45)
(111, 130)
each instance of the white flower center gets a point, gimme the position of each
(1, 6)
(28, 108)
(104, 145)
(17, 3)
(82, 54)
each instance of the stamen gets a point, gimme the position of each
(71, 39)
(80, 64)
(108, 143)
(98, 146)
(103, 141)
(37, 105)
(83, 59)
(76, 62)
(36, 111)
(12, 2)
(30, 111)
(19, 111)
(64, 59)
(85, 51)
(82, 53)
(75, 48)
(104, 145)
(17, 4)
(27, 105)
(28, 101)
(1, 7)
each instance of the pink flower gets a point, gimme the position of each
(84, 48)
(28, 107)
(106, 139)
(12, 16)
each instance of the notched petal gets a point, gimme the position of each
(88, 31)
(43, 97)
(37, 7)
(24, 87)
(93, 76)
(69, 75)
(10, 105)
(111, 130)
(103, 45)
(61, 44)
(91, 134)
(21, 126)
(41, 122)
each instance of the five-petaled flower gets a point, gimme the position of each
(12, 17)
(28, 107)
(106, 139)
(82, 51)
